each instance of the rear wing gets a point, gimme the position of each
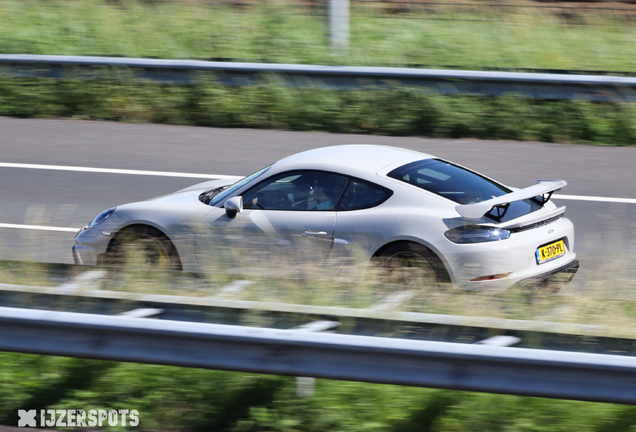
(543, 188)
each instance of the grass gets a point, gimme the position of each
(189, 399)
(278, 32)
(284, 33)
(170, 398)
(604, 297)
(399, 111)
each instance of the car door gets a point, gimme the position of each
(361, 223)
(286, 227)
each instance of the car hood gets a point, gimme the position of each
(191, 194)
(211, 184)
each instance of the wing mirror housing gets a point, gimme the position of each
(233, 206)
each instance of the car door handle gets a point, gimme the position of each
(314, 233)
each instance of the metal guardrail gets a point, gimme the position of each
(534, 85)
(484, 368)
(83, 294)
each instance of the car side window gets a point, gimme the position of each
(361, 194)
(296, 190)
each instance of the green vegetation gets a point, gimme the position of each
(170, 398)
(284, 32)
(189, 399)
(278, 32)
(604, 298)
(401, 111)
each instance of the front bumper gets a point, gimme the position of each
(76, 257)
(90, 247)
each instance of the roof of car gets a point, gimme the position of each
(352, 159)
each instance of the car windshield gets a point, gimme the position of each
(236, 186)
(459, 185)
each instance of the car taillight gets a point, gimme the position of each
(476, 234)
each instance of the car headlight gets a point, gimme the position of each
(102, 217)
(476, 234)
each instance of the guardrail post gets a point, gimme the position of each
(306, 386)
(339, 23)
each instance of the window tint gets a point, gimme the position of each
(461, 186)
(361, 194)
(448, 180)
(297, 190)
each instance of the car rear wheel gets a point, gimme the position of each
(412, 265)
(144, 247)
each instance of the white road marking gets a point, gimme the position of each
(39, 227)
(202, 176)
(317, 326)
(141, 313)
(113, 171)
(394, 301)
(500, 341)
(234, 288)
(88, 279)
(595, 198)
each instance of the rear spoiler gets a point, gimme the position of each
(543, 188)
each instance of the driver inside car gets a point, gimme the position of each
(325, 191)
(296, 191)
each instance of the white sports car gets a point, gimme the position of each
(433, 220)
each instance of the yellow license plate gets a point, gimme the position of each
(549, 252)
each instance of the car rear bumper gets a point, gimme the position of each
(498, 266)
(552, 280)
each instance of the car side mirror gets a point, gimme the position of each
(233, 206)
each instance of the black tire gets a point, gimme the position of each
(413, 265)
(143, 247)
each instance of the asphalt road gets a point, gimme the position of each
(606, 231)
